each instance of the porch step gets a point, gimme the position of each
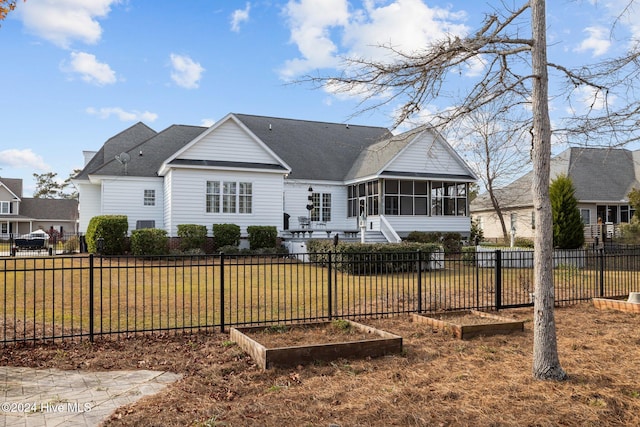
(374, 237)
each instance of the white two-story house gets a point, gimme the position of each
(22, 215)
(256, 170)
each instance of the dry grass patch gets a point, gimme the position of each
(435, 381)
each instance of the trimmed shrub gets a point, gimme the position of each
(112, 229)
(424, 237)
(365, 258)
(451, 242)
(226, 235)
(149, 242)
(192, 236)
(522, 242)
(262, 236)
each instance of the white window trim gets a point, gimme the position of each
(221, 195)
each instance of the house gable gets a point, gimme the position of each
(10, 189)
(419, 153)
(427, 153)
(227, 144)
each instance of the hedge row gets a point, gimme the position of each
(107, 234)
(367, 258)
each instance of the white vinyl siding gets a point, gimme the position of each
(296, 198)
(428, 155)
(123, 196)
(90, 204)
(453, 224)
(189, 201)
(228, 143)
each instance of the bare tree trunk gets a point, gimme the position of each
(546, 364)
(498, 208)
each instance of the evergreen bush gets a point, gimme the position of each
(568, 229)
(112, 229)
(225, 235)
(192, 236)
(262, 236)
(149, 242)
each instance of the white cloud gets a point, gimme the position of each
(23, 159)
(63, 21)
(475, 66)
(122, 115)
(207, 122)
(239, 16)
(589, 98)
(624, 13)
(90, 69)
(186, 73)
(597, 41)
(310, 23)
(324, 31)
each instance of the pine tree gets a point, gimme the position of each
(568, 230)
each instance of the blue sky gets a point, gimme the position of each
(76, 72)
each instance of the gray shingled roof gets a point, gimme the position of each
(314, 150)
(376, 156)
(122, 142)
(147, 156)
(598, 175)
(14, 185)
(49, 209)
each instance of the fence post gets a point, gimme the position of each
(601, 270)
(221, 291)
(330, 285)
(498, 279)
(91, 287)
(419, 269)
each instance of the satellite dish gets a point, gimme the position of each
(123, 158)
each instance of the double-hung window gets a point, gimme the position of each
(229, 197)
(5, 208)
(245, 197)
(321, 207)
(149, 197)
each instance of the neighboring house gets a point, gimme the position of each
(255, 170)
(602, 178)
(22, 215)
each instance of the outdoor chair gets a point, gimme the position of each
(304, 221)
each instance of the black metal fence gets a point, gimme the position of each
(87, 296)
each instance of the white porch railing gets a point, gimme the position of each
(387, 231)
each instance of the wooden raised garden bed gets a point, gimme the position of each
(470, 323)
(292, 345)
(614, 304)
